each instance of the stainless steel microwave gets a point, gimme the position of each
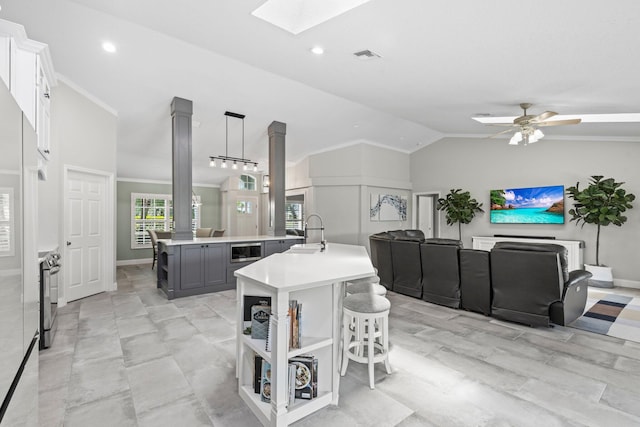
(243, 252)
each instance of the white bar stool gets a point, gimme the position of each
(366, 284)
(366, 327)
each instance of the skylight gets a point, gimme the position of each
(297, 16)
(586, 118)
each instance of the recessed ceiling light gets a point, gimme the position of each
(317, 50)
(109, 47)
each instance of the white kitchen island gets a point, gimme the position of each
(316, 279)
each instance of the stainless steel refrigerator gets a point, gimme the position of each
(19, 281)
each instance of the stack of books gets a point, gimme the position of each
(302, 376)
(295, 331)
(258, 321)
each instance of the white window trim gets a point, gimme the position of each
(167, 197)
(241, 183)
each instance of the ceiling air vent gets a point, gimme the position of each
(366, 55)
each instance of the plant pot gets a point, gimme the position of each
(602, 276)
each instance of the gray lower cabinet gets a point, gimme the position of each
(276, 246)
(192, 269)
(203, 268)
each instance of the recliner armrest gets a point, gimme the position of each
(575, 277)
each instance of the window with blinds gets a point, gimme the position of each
(294, 215)
(155, 212)
(7, 234)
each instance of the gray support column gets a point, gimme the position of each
(277, 132)
(181, 111)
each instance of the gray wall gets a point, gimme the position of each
(479, 165)
(210, 213)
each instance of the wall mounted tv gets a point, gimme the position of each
(535, 205)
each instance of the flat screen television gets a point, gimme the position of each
(534, 205)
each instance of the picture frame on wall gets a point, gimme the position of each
(387, 207)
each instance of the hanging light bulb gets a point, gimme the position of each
(225, 159)
(516, 138)
(538, 134)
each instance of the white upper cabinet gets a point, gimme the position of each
(5, 55)
(27, 70)
(23, 80)
(43, 110)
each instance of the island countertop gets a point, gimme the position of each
(227, 239)
(306, 266)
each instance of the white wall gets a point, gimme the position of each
(340, 183)
(84, 135)
(479, 165)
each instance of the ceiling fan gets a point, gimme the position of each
(527, 125)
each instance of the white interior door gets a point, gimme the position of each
(85, 237)
(425, 215)
(246, 214)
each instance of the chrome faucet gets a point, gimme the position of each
(323, 243)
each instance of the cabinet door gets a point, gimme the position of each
(43, 113)
(23, 81)
(5, 59)
(191, 267)
(286, 244)
(272, 247)
(215, 265)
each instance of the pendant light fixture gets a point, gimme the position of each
(226, 161)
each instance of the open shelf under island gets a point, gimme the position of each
(316, 279)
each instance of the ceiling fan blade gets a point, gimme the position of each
(544, 116)
(502, 124)
(500, 133)
(559, 122)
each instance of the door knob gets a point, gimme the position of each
(68, 243)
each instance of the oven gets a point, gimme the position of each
(49, 269)
(244, 252)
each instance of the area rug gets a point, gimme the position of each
(612, 315)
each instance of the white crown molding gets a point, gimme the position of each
(155, 181)
(87, 94)
(19, 35)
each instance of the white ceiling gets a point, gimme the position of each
(442, 62)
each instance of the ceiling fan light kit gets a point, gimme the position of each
(527, 125)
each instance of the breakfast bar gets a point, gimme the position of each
(315, 278)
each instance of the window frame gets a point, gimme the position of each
(141, 240)
(9, 223)
(246, 184)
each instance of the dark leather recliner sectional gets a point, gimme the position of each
(532, 285)
(521, 282)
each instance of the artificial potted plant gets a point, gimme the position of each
(603, 202)
(459, 207)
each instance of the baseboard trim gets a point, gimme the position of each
(623, 283)
(134, 261)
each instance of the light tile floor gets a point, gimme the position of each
(133, 358)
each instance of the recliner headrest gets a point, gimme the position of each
(539, 247)
(383, 235)
(444, 242)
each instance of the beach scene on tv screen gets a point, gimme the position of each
(535, 205)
